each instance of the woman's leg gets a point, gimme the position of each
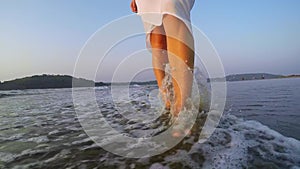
(160, 59)
(180, 45)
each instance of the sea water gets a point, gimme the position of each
(259, 129)
(273, 102)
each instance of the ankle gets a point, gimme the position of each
(176, 109)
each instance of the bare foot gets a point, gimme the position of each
(179, 133)
(181, 125)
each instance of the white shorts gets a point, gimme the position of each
(152, 11)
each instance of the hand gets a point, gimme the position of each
(133, 6)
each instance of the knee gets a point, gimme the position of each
(158, 41)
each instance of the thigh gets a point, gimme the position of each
(158, 38)
(177, 30)
(175, 27)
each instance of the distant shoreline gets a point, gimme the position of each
(65, 81)
(266, 79)
(252, 76)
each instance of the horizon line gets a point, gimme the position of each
(28, 76)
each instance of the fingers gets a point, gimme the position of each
(133, 6)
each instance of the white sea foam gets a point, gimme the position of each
(236, 143)
(239, 144)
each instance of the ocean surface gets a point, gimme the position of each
(259, 129)
(274, 103)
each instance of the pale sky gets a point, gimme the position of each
(45, 36)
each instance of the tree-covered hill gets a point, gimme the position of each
(45, 82)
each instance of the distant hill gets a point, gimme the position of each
(44, 82)
(56, 81)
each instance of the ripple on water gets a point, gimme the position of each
(56, 140)
(39, 139)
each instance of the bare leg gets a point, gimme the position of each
(160, 59)
(180, 45)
